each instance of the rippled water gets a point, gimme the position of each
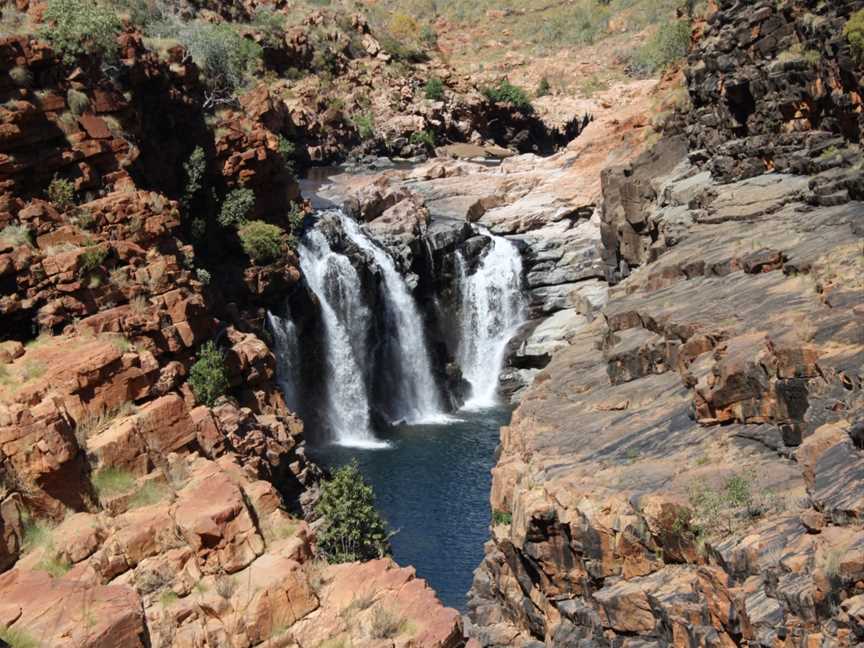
(433, 485)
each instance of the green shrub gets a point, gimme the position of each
(434, 89)
(423, 138)
(203, 276)
(544, 87)
(61, 193)
(271, 24)
(365, 125)
(854, 32)
(287, 150)
(208, 377)
(501, 517)
(261, 241)
(237, 207)
(195, 169)
(78, 27)
(506, 92)
(79, 103)
(225, 57)
(353, 529)
(670, 43)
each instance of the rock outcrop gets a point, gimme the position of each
(685, 470)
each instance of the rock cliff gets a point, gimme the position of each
(687, 470)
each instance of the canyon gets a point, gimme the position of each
(673, 309)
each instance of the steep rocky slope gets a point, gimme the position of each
(688, 469)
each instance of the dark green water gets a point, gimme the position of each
(432, 485)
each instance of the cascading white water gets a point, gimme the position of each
(493, 308)
(417, 399)
(346, 323)
(287, 357)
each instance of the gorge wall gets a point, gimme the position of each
(687, 470)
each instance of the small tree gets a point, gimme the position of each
(77, 27)
(208, 376)
(237, 207)
(353, 530)
(261, 241)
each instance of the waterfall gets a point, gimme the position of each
(287, 357)
(493, 308)
(417, 399)
(346, 324)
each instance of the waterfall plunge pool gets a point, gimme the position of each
(432, 486)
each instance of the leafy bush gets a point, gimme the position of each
(203, 276)
(225, 57)
(287, 151)
(195, 169)
(237, 207)
(506, 92)
(261, 241)
(365, 125)
(501, 517)
(423, 138)
(78, 27)
(670, 43)
(434, 89)
(353, 529)
(854, 32)
(61, 193)
(208, 377)
(271, 24)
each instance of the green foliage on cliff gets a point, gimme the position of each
(434, 89)
(854, 32)
(61, 193)
(506, 92)
(261, 241)
(208, 377)
(353, 530)
(17, 638)
(78, 27)
(237, 207)
(670, 43)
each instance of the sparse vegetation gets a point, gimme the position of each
(203, 276)
(150, 493)
(32, 370)
(110, 482)
(506, 92)
(168, 598)
(385, 624)
(287, 150)
(91, 259)
(669, 44)
(434, 89)
(16, 638)
(16, 235)
(208, 377)
(61, 193)
(424, 138)
(237, 207)
(225, 586)
(96, 423)
(261, 241)
(353, 529)
(723, 510)
(543, 88)
(501, 517)
(854, 32)
(195, 169)
(79, 27)
(365, 125)
(21, 76)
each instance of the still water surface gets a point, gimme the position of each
(432, 485)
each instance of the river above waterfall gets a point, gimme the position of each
(432, 486)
